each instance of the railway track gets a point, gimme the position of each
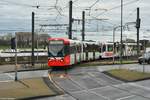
(61, 74)
(64, 74)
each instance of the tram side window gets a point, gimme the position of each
(134, 47)
(89, 48)
(73, 49)
(98, 48)
(95, 48)
(104, 48)
(141, 47)
(79, 48)
(66, 50)
(86, 48)
(110, 47)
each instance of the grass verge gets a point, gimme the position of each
(3, 47)
(101, 62)
(128, 75)
(26, 88)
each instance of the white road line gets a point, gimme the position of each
(6, 81)
(125, 97)
(12, 77)
(7, 98)
(54, 83)
(140, 86)
(99, 88)
(136, 94)
(76, 83)
(98, 80)
(112, 78)
(100, 95)
(45, 74)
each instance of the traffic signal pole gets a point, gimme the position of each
(32, 39)
(138, 27)
(70, 20)
(16, 65)
(83, 25)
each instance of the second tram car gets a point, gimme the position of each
(129, 49)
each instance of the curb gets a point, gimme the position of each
(82, 65)
(37, 97)
(106, 73)
(25, 70)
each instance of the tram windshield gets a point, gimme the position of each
(56, 49)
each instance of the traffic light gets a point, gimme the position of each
(138, 22)
(13, 43)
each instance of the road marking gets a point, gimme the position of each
(99, 88)
(45, 74)
(126, 97)
(136, 94)
(7, 98)
(135, 84)
(98, 80)
(11, 76)
(6, 81)
(54, 83)
(87, 90)
(114, 80)
(100, 95)
(76, 83)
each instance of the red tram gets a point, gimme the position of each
(66, 52)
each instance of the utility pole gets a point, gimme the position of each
(32, 39)
(16, 65)
(83, 25)
(70, 20)
(138, 20)
(121, 31)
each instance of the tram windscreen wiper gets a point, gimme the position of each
(51, 55)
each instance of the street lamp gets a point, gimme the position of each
(123, 28)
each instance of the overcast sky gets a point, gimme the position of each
(15, 15)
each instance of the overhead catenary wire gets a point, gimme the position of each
(94, 3)
(125, 4)
(131, 13)
(25, 4)
(116, 7)
(59, 12)
(19, 4)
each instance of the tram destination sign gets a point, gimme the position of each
(56, 42)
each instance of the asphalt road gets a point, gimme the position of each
(90, 84)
